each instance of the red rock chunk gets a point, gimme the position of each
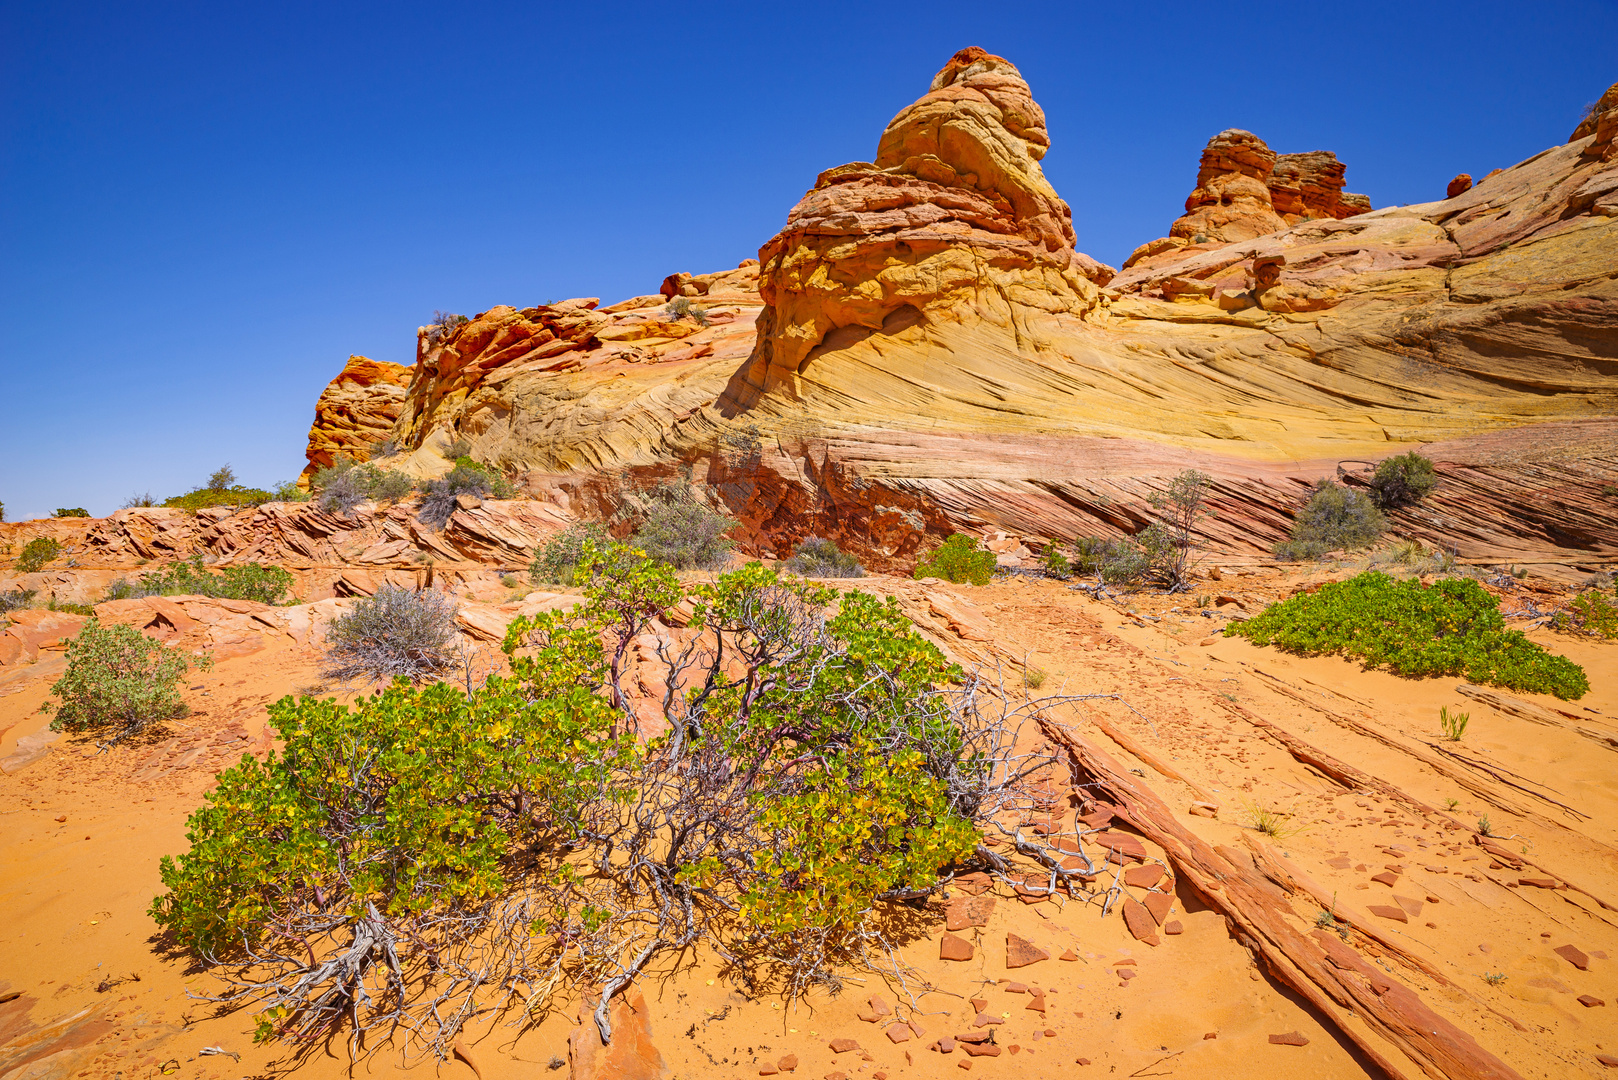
(1021, 953)
(1173, 928)
(965, 911)
(1589, 1001)
(1387, 877)
(1538, 882)
(843, 1046)
(983, 1049)
(1159, 904)
(1573, 956)
(1383, 911)
(788, 1063)
(1140, 922)
(1411, 906)
(1143, 877)
(1291, 1038)
(900, 1033)
(955, 948)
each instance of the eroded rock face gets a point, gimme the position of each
(954, 218)
(1245, 190)
(355, 411)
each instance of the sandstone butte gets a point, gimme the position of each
(922, 348)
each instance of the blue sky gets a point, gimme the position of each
(204, 209)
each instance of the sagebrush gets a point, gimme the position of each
(818, 557)
(1336, 518)
(396, 634)
(347, 483)
(248, 581)
(1403, 480)
(682, 532)
(36, 553)
(557, 560)
(439, 498)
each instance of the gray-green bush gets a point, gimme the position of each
(682, 532)
(819, 557)
(556, 560)
(1336, 518)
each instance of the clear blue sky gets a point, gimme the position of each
(204, 209)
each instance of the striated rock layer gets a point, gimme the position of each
(356, 411)
(923, 349)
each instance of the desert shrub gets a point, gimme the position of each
(222, 478)
(438, 496)
(119, 680)
(825, 762)
(1402, 480)
(1452, 627)
(443, 325)
(71, 512)
(960, 559)
(384, 448)
(681, 308)
(1167, 542)
(1589, 613)
(1112, 561)
(1453, 724)
(1056, 563)
(499, 486)
(556, 561)
(220, 490)
(457, 449)
(36, 553)
(1335, 518)
(139, 499)
(2, 511)
(682, 532)
(288, 491)
(346, 483)
(70, 607)
(396, 634)
(818, 557)
(249, 581)
(16, 600)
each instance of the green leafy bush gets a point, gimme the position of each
(71, 512)
(959, 559)
(1589, 613)
(556, 561)
(682, 532)
(204, 498)
(1113, 561)
(818, 557)
(396, 634)
(1056, 563)
(819, 764)
(1402, 480)
(1452, 627)
(249, 581)
(119, 680)
(1336, 518)
(1167, 542)
(288, 491)
(346, 483)
(36, 553)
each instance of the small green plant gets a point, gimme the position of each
(1276, 824)
(69, 607)
(1402, 480)
(1451, 804)
(681, 308)
(1494, 978)
(288, 491)
(1452, 627)
(1608, 490)
(1589, 613)
(119, 680)
(960, 559)
(249, 581)
(1033, 677)
(1114, 562)
(457, 449)
(440, 497)
(557, 560)
(71, 512)
(36, 553)
(1336, 518)
(819, 557)
(1484, 827)
(682, 532)
(1056, 564)
(1453, 724)
(346, 483)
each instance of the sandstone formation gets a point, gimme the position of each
(356, 411)
(1599, 111)
(1245, 190)
(926, 352)
(1458, 186)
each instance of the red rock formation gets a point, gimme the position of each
(1592, 118)
(355, 411)
(1306, 187)
(1458, 186)
(955, 213)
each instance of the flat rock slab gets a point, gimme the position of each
(1386, 912)
(1412, 907)
(967, 911)
(1140, 922)
(1387, 877)
(1119, 845)
(1573, 955)
(1020, 952)
(1290, 1038)
(1159, 905)
(1143, 877)
(1590, 1001)
(955, 948)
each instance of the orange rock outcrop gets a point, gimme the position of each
(355, 411)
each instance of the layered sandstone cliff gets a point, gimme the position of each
(356, 411)
(922, 349)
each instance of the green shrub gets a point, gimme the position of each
(556, 561)
(1056, 563)
(69, 607)
(36, 553)
(288, 491)
(1167, 542)
(119, 680)
(346, 483)
(249, 581)
(1589, 613)
(396, 634)
(1453, 724)
(960, 559)
(431, 847)
(73, 512)
(205, 498)
(139, 499)
(2, 511)
(682, 532)
(438, 500)
(681, 308)
(222, 478)
(1452, 627)
(457, 449)
(1402, 480)
(1114, 562)
(818, 557)
(1335, 518)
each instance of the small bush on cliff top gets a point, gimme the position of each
(288, 491)
(439, 496)
(682, 532)
(36, 553)
(71, 512)
(1335, 518)
(556, 561)
(396, 634)
(1452, 627)
(120, 680)
(204, 498)
(430, 854)
(818, 557)
(1402, 480)
(959, 559)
